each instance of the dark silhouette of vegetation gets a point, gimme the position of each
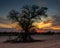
(24, 18)
(31, 33)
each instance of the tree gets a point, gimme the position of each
(25, 19)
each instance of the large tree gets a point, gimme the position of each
(24, 18)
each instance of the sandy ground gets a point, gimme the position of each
(49, 41)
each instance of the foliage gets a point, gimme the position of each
(27, 14)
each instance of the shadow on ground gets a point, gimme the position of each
(15, 41)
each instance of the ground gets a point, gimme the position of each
(47, 41)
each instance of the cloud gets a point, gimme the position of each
(42, 3)
(13, 25)
(57, 20)
(4, 19)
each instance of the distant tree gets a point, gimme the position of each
(25, 18)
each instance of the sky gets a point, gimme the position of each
(7, 5)
(52, 5)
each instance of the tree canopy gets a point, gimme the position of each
(27, 14)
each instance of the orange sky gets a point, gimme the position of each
(46, 25)
(13, 25)
(40, 25)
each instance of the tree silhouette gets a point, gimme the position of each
(25, 19)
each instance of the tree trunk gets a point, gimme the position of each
(28, 36)
(25, 36)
